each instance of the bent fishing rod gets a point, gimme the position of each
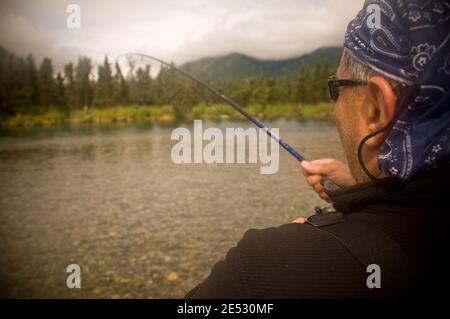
(227, 100)
(328, 184)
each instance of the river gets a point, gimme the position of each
(139, 226)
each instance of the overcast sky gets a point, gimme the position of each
(176, 30)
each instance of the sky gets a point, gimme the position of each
(174, 30)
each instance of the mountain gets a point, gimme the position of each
(236, 66)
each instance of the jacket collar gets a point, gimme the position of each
(390, 194)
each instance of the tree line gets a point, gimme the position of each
(28, 87)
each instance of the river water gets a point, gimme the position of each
(112, 201)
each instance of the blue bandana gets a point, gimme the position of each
(409, 41)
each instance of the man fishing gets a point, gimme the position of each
(386, 235)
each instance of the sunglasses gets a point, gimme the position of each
(334, 84)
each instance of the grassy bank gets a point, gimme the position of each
(164, 114)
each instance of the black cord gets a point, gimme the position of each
(361, 144)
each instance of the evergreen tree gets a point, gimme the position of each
(70, 87)
(104, 88)
(304, 85)
(12, 75)
(166, 87)
(121, 90)
(61, 93)
(292, 94)
(186, 98)
(277, 92)
(316, 82)
(326, 72)
(84, 86)
(47, 84)
(20, 91)
(261, 94)
(143, 86)
(32, 79)
(243, 94)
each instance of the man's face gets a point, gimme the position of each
(350, 120)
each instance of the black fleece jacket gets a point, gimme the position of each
(303, 261)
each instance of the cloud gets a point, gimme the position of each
(20, 36)
(269, 33)
(175, 30)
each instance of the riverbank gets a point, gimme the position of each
(164, 115)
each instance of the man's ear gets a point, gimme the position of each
(381, 108)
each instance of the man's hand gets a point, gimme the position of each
(330, 168)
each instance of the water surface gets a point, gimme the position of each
(112, 201)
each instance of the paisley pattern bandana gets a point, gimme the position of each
(409, 42)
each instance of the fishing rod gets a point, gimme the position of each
(328, 184)
(227, 100)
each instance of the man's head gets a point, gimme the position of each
(400, 49)
(361, 110)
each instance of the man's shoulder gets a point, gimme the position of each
(299, 260)
(288, 261)
(287, 237)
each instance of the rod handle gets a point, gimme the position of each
(329, 186)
